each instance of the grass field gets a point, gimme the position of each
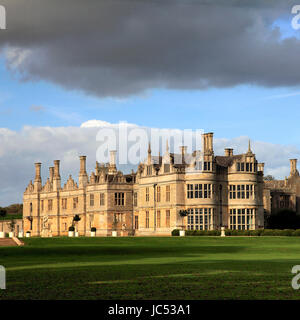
(152, 268)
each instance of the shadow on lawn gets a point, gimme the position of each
(126, 252)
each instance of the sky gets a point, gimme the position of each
(227, 67)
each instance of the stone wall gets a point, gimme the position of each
(5, 226)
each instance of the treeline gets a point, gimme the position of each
(13, 211)
(285, 219)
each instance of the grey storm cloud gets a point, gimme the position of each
(124, 47)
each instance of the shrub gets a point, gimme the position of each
(277, 232)
(214, 233)
(175, 233)
(256, 233)
(269, 232)
(287, 232)
(204, 233)
(72, 228)
(283, 220)
(237, 233)
(93, 229)
(296, 233)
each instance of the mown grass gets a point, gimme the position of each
(152, 268)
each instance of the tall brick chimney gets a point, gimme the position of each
(56, 178)
(261, 167)
(83, 177)
(294, 171)
(51, 174)
(38, 178)
(228, 152)
(112, 162)
(183, 151)
(207, 142)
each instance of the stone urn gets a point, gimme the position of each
(114, 234)
(223, 232)
(182, 233)
(11, 234)
(28, 234)
(76, 234)
(93, 232)
(20, 234)
(71, 234)
(2, 234)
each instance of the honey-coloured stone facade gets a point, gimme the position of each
(283, 194)
(216, 191)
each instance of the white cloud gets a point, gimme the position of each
(19, 150)
(99, 123)
(281, 96)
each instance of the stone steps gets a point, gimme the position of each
(7, 242)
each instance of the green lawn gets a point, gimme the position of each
(152, 268)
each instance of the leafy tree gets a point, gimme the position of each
(269, 178)
(76, 219)
(183, 213)
(12, 225)
(285, 219)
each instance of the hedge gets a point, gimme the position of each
(254, 233)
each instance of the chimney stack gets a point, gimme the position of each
(38, 178)
(51, 173)
(83, 177)
(228, 152)
(149, 158)
(56, 169)
(183, 150)
(82, 165)
(294, 171)
(261, 167)
(207, 142)
(112, 162)
(38, 171)
(56, 178)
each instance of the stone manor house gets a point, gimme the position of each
(216, 191)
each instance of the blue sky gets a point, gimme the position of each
(270, 115)
(267, 114)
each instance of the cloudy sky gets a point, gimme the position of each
(231, 67)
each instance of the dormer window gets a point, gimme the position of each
(207, 166)
(246, 167)
(240, 166)
(198, 165)
(249, 167)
